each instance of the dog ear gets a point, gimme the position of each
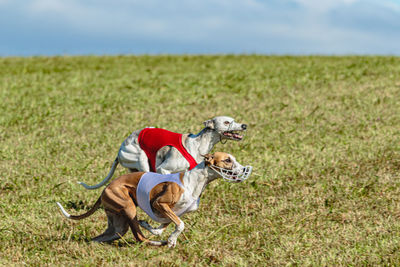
(209, 159)
(209, 124)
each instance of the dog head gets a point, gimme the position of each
(225, 165)
(226, 127)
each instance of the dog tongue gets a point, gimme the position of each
(237, 136)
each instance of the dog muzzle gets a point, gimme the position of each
(232, 134)
(238, 175)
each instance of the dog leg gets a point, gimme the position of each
(173, 162)
(143, 163)
(130, 213)
(117, 227)
(121, 212)
(180, 226)
(174, 236)
(155, 231)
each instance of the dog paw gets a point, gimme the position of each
(157, 232)
(171, 242)
(157, 243)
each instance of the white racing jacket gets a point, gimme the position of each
(147, 182)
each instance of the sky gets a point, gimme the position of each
(273, 27)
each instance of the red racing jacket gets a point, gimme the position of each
(152, 139)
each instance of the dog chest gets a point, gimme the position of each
(148, 181)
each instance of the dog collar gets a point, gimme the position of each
(233, 175)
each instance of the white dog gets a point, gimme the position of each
(161, 151)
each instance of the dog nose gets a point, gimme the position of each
(244, 126)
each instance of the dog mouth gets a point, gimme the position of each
(234, 135)
(233, 175)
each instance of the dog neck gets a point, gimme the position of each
(197, 179)
(202, 143)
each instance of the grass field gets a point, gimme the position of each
(323, 138)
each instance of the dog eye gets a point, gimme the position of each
(227, 123)
(228, 160)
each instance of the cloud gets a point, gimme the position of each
(208, 26)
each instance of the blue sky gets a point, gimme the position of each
(70, 27)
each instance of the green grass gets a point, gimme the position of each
(323, 138)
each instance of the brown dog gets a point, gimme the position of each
(164, 198)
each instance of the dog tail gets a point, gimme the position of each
(82, 216)
(110, 174)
